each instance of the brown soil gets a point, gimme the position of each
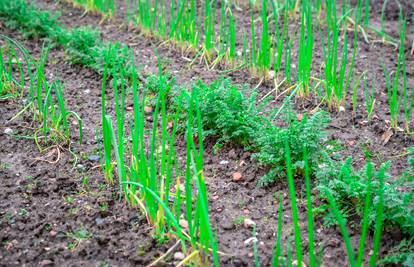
(36, 219)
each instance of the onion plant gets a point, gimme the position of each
(44, 99)
(305, 48)
(208, 27)
(153, 177)
(263, 62)
(9, 83)
(280, 35)
(395, 96)
(337, 68)
(369, 97)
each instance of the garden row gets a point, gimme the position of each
(268, 46)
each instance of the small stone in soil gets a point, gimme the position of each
(227, 225)
(8, 131)
(224, 162)
(295, 263)
(52, 233)
(147, 110)
(214, 197)
(46, 263)
(237, 176)
(183, 223)
(81, 167)
(99, 221)
(248, 223)
(93, 158)
(178, 256)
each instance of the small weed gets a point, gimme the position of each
(69, 200)
(5, 166)
(85, 181)
(239, 221)
(103, 207)
(23, 213)
(48, 227)
(78, 237)
(74, 211)
(102, 186)
(10, 218)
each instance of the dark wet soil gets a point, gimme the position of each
(38, 221)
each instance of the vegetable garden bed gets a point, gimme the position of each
(236, 142)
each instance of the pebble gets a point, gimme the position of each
(80, 167)
(237, 176)
(8, 131)
(99, 221)
(46, 263)
(248, 223)
(227, 225)
(179, 256)
(295, 263)
(147, 110)
(183, 223)
(93, 158)
(250, 240)
(52, 233)
(224, 162)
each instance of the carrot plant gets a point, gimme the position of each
(375, 191)
(153, 175)
(358, 261)
(349, 187)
